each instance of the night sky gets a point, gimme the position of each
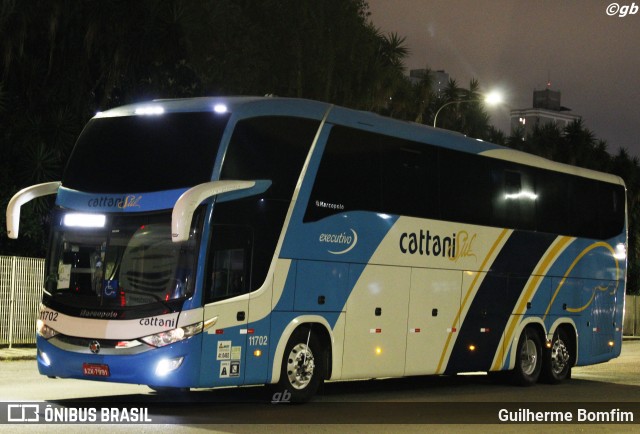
(591, 57)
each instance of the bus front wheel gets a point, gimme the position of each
(302, 368)
(528, 359)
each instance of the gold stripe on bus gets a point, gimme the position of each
(570, 269)
(533, 284)
(489, 255)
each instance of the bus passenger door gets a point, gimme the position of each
(433, 307)
(226, 294)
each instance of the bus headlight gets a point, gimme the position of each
(179, 334)
(44, 330)
(172, 336)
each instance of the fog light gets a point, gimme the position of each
(165, 366)
(45, 359)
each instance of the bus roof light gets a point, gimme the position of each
(220, 108)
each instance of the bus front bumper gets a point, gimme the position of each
(175, 365)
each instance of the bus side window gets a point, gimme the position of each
(228, 269)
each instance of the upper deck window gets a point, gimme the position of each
(145, 153)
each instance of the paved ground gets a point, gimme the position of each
(18, 353)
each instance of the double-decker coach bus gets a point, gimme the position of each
(238, 241)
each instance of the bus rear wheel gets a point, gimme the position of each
(557, 360)
(528, 359)
(302, 368)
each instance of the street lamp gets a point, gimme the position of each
(491, 99)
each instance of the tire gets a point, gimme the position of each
(302, 368)
(558, 359)
(528, 359)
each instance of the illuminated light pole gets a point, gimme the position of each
(491, 99)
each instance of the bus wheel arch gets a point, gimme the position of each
(303, 365)
(559, 355)
(302, 361)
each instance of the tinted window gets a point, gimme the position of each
(145, 153)
(552, 205)
(409, 179)
(254, 218)
(349, 175)
(583, 208)
(274, 148)
(228, 273)
(371, 172)
(611, 209)
(514, 196)
(466, 188)
(362, 171)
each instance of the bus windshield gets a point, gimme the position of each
(106, 261)
(145, 153)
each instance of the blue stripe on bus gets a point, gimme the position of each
(122, 202)
(495, 300)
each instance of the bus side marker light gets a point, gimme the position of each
(472, 347)
(257, 353)
(611, 344)
(548, 344)
(378, 351)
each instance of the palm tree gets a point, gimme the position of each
(423, 93)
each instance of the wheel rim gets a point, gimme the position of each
(559, 356)
(528, 357)
(300, 366)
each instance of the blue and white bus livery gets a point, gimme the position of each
(236, 241)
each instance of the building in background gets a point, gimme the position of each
(440, 79)
(546, 109)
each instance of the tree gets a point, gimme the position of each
(64, 60)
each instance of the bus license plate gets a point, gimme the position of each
(94, 370)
